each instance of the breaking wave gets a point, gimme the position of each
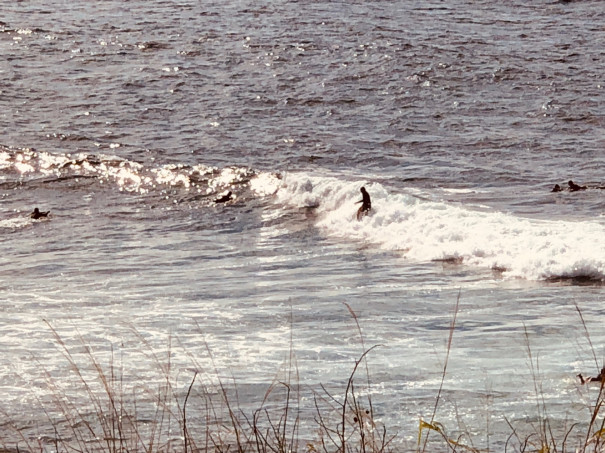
(431, 230)
(418, 227)
(29, 165)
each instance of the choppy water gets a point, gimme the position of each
(127, 121)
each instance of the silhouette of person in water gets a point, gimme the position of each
(598, 378)
(224, 198)
(37, 214)
(366, 204)
(573, 187)
(557, 188)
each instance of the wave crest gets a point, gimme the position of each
(437, 231)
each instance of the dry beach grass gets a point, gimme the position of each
(197, 410)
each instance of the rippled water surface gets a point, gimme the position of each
(128, 119)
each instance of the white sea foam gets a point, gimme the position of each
(265, 184)
(462, 191)
(429, 230)
(15, 223)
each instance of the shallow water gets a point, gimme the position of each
(128, 122)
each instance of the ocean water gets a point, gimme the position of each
(128, 119)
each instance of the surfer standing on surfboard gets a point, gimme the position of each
(366, 204)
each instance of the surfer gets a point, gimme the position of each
(366, 204)
(598, 378)
(37, 214)
(573, 187)
(557, 188)
(224, 198)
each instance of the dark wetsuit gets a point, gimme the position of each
(224, 198)
(38, 215)
(573, 187)
(366, 204)
(598, 378)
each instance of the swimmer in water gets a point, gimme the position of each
(224, 198)
(598, 378)
(366, 204)
(573, 187)
(37, 214)
(557, 188)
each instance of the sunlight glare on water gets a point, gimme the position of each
(129, 123)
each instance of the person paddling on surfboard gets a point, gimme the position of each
(37, 214)
(225, 198)
(573, 187)
(598, 378)
(366, 204)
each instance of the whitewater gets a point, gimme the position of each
(129, 121)
(412, 223)
(425, 230)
